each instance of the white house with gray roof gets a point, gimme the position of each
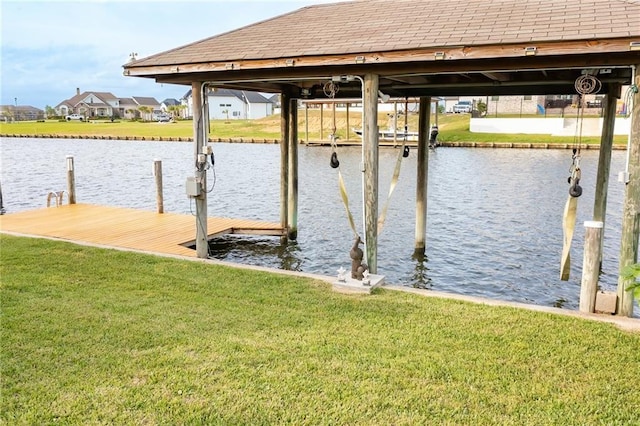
(234, 104)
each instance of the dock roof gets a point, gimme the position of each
(489, 46)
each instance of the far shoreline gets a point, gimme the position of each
(457, 144)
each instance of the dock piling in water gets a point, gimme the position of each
(71, 180)
(157, 173)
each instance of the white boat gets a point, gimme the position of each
(388, 135)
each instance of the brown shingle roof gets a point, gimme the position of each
(389, 25)
(144, 100)
(102, 96)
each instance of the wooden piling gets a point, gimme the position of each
(370, 160)
(422, 176)
(199, 126)
(321, 122)
(293, 171)
(306, 122)
(71, 180)
(591, 265)
(157, 173)
(604, 159)
(631, 209)
(285, 117)
(348, 131)
(395, 123)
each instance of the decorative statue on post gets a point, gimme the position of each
(357, 267)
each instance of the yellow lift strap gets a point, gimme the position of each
(569, 216)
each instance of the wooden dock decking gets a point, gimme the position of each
(166, 233)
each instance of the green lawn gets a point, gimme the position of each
(453, 128)
(94, 336)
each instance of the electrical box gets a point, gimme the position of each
(193, 187)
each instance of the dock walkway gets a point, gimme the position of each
(166, 233)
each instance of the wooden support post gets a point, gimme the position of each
(370, 172)
(591, 265)
(285, 117)
(306, 122)
(321, 122)
(631, 209)
(293, 171)
(422, 176)
(199, 126)
(395, 123)
(157, 173)
(71, 180)
(348, 135)
(604, 161)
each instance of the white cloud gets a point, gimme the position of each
(51, 47)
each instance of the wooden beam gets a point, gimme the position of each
(556, 50)
(631, 209)
(199, 126)
(370, 178)
(422, 176)
(496, 76)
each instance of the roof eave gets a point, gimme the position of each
(432, 54)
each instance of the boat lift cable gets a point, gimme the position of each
(330, 90)
(628, 104)
(585, 84)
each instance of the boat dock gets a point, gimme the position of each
(165, 233)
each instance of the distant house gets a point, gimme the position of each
(238, 104)
(234, 104)
(20, 113)
(151, 103)
(275, 100)
(169, 105)
(128, 109)
(90, 104)
(106, 104)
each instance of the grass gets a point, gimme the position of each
(94, 336)
(453, 128)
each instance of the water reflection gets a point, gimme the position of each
(260, 251)
(420, 276)
(559, 303)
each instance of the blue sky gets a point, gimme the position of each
(50, 48)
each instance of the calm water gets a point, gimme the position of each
(494, 215)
